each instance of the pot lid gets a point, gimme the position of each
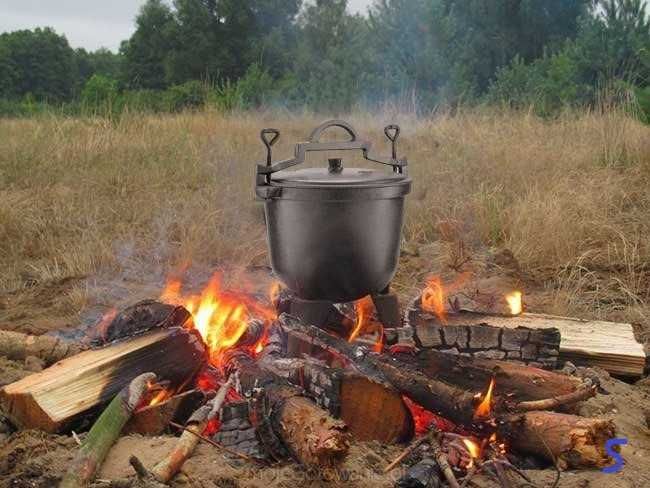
(337, 177)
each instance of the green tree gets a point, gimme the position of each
(145, 53)
(39, 62)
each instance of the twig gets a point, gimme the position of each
(216, 444)
(406, 452)
(169, 466)
(555, 402)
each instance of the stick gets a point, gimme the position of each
(406, 452)
(105, 432)
(168, 467)
(555, 402)
(216, 444)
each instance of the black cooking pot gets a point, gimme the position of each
(333, 233)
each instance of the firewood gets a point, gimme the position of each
(569, 440)
(458, 405)
(609, 345)
(310, 434)
(136, 319)
(169, 467)
(370, 407)
(155, 419)
(57, 398)
(105, 432)
(18, 346)
(519, 381)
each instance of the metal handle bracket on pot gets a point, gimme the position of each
(264, 171)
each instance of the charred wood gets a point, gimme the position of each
(282, 410)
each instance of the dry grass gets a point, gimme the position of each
(132, 198)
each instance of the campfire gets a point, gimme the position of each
(465, 379)
(268, 387)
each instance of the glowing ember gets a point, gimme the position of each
(514, 302)
(433, 299)
(221, 317)
(484, 408)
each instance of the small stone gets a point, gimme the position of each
(34, 364)
(455, 335)
(529, 351)
(513, 355)
(484, 337)
(491, 354)
(513, 339)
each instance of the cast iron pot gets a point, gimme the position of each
(333, 233)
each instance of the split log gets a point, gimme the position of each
(155, 419)
(457, 404)
(105, 432)
(169, 467)
(609, 345)
(370, 407)
(50, 349)
(310, 434)
(57, 398)
(569, 440)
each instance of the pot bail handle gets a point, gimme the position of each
(314, 137)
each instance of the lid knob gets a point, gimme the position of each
(335, 165)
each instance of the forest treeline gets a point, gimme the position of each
(421, 54)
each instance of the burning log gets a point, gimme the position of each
(530, 337)
(311, 435)
(459, 405)
(105, 432)
(168, 467)
(58, 397)
(569, 440)
(50, 349)
(136, 319)
(370, 407)
(521, 382)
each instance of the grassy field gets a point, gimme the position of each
(87, 201)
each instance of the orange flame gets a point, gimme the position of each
(484, 408)
(515, 302)
(363, 308)
(433, 299)
(220, 317)
(473, 449)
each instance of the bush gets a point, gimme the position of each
(99, 95)
(191, 94)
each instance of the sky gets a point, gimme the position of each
(86, 23)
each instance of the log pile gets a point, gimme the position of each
(533, 338)
(458, 404)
